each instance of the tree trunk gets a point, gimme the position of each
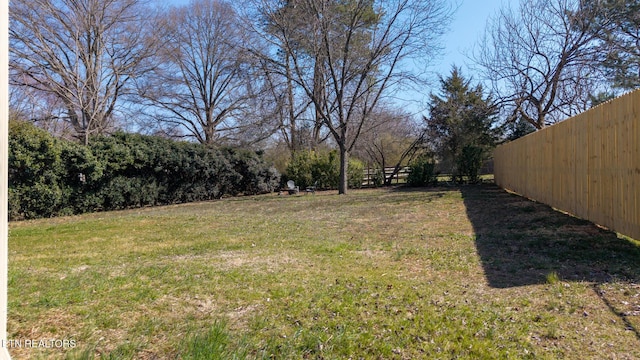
(319, 94)
(295, 144)
(344, 166)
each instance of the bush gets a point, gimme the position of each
(128, 192)
(82, 172)
(326, 170)
(422, 172)
(256, 176)
(301, 168)
(50, 177)
(470, 162)
(355, 173)
(308, 167)
(377, 177)
(34, 172)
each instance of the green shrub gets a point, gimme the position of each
(308, 167)
(377, 178)
(128, 192)
(422, 172)
(14, 203)
(34, 172)
(50, 176)
(39, 199)
(355, 173)
(256, 176)
(326, 170)
(82, 173)
(301, 168)
(470, 162)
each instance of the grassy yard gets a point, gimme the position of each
(469, 272)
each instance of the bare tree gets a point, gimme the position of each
(361, 46)
(539, 59)
(84, 52)
(292, 106)
(391, 139)
(299, 126)
(206, 82)
(45, 110)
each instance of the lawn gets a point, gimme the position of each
(467, 272)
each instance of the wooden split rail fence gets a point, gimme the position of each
(399, 178)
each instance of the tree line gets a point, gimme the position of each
(308, 75)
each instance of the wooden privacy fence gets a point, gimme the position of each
(588, 165)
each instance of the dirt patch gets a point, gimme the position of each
(228, 260)
(241, 312)
(373, 254)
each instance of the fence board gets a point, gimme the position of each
(588, 165)
(582, 156)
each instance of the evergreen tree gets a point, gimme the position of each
(460, 126)
(517, 129)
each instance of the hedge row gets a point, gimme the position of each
(51, 177)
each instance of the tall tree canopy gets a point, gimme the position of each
(351, 55)
(83, 52)
(205, 82)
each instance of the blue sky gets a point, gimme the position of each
(466, 28)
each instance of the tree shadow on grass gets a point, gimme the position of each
(521, 242)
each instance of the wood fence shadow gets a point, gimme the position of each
(521, 242)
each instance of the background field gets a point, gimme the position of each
(467, 272)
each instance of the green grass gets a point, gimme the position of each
(469, 272)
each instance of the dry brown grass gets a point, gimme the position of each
(470, 272)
